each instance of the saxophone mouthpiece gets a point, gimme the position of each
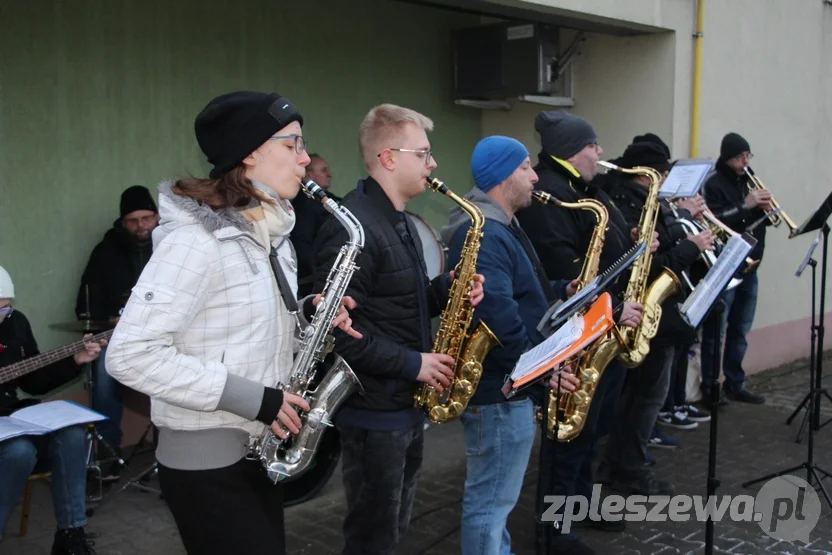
(437, 185)
(607, 165)
(313, 190)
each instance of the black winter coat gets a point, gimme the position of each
(395, 298)
(725, 193)
(18, 343)
(113, 269)
(674, 254)
(310, 216)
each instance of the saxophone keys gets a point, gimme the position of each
(463, 388)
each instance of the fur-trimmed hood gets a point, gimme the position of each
(176, 211)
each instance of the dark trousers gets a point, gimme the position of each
(235, 509)
(737, 320)
(644, 394)
(677, 390)
(380, 470)
(572, 469)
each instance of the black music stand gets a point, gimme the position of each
(545, 530)
(808, 261)
(712, 482)
(815, 222)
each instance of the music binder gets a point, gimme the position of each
(578, 332)
(699, 302)
(559, 313)
(816, 221)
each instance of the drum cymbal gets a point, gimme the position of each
(83, 326)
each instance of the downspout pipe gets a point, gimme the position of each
(697, 78)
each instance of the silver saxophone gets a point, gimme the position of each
(288, 458)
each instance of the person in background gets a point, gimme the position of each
(63, 452)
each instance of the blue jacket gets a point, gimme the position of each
(514, 301)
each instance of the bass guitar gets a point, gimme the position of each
(25, 366)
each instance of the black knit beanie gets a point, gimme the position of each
(645, 153)
(652, 138)
(563, 135)
(234, 125)
(136, 198)
(732, 145)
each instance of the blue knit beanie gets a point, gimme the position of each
(494, 159)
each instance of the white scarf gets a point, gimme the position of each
(272, 225)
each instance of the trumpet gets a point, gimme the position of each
(709, 256)
(776, 215)
(722, 234)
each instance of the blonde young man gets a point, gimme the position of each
(381, 432)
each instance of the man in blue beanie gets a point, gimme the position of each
(499, 433)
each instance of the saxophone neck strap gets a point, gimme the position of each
(283, 284)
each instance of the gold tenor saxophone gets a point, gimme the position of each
(574, 405)
(452, 338)
(636, 341)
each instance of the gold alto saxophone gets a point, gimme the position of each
(452, 338)
(636, 341)
(574, 405)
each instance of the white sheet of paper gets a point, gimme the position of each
(54, 415)
(555, 344)
(10, 427)
(685, 179)
(704, 296)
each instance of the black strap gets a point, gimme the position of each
(282, 283)
(548, 291)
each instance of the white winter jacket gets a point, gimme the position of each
(204, 331)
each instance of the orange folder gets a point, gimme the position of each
(598, 320)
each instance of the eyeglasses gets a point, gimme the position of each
(142, 220)
(745, 156)
(300, 142)
(427, 153)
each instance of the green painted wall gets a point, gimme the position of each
(98, 95)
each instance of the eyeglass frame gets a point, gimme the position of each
(426, 151)
(299, 140)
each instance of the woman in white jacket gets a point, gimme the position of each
(207, 333)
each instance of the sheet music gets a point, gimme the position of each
(808, 254)
(46, 417)
(696, 306)
(556, 343)
(685, 179)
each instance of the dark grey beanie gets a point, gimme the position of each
(562, 134)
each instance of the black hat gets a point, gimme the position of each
(645, 153)
(732, 145)
(234, 125)
(135, 198)
(652, 138)
(563, 135)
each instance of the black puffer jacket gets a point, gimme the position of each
(396, 301)
(310, 215)
(113, 269)
(18, 343)
(725, 193)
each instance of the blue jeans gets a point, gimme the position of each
(64, 453)
(107, 399)
(737, 319)
(498, 443)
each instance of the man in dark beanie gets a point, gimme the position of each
(112, 270)
(566, 167)
(729, 198)
(647, 386)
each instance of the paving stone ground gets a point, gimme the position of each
(752, 441)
